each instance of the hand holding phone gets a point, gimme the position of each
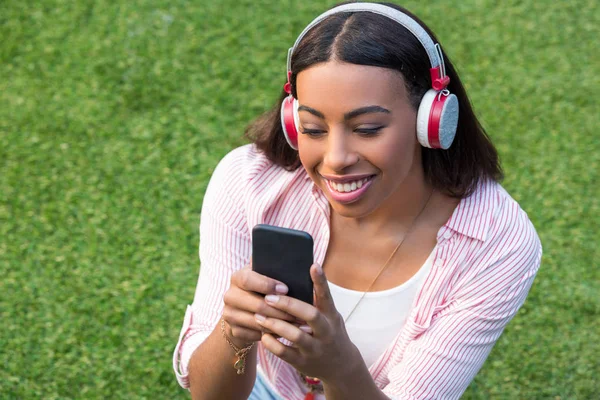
(285, 255)
(243, 299)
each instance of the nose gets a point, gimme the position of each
(340, 152)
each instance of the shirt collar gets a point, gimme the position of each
(472, 217)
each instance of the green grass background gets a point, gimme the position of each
(113, 114)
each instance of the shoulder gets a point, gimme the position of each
(247, 168)
(497, 241)
(230, 180)
(245, 179)
(242, 163)
(491, 215)
(511, 231)
(244, 167)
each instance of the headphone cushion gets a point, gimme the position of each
(290, 121)
(448, 122)
(437, 120)
(296, 116)
(423, 117)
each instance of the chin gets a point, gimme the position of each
(352, 210)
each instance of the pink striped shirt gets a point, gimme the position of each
(486, 258)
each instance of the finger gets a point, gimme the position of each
(305, 328)
(241, 336)
(301, 310)
(323, 298)
(252, 303)
(254, 282)
(287, 353)
(242, 319)
(299, 337)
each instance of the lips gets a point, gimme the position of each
(345, 178)
(348, 186)
(350, 190)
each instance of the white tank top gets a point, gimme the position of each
(380, 315)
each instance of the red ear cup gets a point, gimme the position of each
(437, 119)
(289, 121)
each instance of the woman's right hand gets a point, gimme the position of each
(243, 299)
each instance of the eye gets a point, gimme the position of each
(311, 132)
(369, 131)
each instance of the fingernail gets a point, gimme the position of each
(281, 288)
(259, 318)
(319, 270)
(271, 298)
(305, 328)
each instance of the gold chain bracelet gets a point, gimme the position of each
(240, 363)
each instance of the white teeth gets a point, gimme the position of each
(349, 186)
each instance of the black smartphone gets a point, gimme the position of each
(286, 255)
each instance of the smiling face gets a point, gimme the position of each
(357, 138)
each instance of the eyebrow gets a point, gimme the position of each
(348, 115)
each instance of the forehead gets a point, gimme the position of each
(334, 85)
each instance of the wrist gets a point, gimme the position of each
(354, 377)
(240, 343)
(240, 352)
(352, 367)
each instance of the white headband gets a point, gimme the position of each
(433, 49)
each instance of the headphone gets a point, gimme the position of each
(437, 116)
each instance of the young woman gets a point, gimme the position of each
(421, 257)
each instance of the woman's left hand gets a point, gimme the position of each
(321, 349)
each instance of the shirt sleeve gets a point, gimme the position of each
(225, 247)
(444, 359)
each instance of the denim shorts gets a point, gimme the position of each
(262, 390)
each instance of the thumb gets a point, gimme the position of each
(323, 298)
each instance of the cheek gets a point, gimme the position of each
(308, 154)
(403, 143)
(400, 144)
(398, 153)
